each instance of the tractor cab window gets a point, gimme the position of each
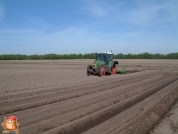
(100, 57)
(109, 56)
(104, 57)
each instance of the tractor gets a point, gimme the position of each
(102, 65)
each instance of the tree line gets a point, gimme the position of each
(145, 55)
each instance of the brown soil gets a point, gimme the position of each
(57, 96)
(169, 124)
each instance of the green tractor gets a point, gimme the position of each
(102, 65)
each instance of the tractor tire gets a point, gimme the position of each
(88, 73)
(101, 72)
(113, 70)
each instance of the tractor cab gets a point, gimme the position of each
(105, 57)
(103, 64)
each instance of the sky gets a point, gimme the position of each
(88, 26)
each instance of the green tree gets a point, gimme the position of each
(120, 56)
(130, 56)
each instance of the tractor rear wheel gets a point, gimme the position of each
(113, 70)
(101, 72)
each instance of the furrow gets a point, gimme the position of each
(109, 111)
(98, 117)
(115, 95)
(124, 119)
(63, 90)
(32, 103)
(145, 122)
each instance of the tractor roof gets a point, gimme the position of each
(105, 53)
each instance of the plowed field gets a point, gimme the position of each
(57, 97)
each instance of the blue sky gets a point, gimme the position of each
(87, 26)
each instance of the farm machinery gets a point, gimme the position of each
(104, 64)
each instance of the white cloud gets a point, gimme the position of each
(96, 8)
(153, 13)
(133, 34)
(18, 33)
(144, 14)
(71, 35)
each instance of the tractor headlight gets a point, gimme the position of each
(94, 65)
